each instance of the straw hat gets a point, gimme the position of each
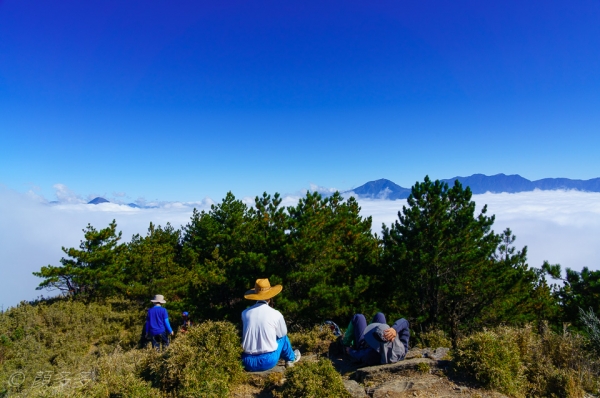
(159, 298)
(263, 290)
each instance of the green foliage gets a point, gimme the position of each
(221, 248)
(311, 379)
(93, 270)
(316, 340)
(439, 266)
(493, 358)
(331, 260)
(321, 250)
(117, 375)
(580, 290)
(153, 265)
(520, 362)
(67, 339)
(204, 362)
(447, 268)
(434, 339)
(423, 367)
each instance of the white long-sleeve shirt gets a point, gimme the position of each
(263, 325)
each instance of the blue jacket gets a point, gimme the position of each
(157, 321)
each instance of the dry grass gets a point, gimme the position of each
(71, 349)
(520, 362)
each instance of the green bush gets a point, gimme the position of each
(521, 362)
(493, 357)
(558, 365)
(434, 339)
(313, 379)
(117, 375)
(316, 340)
(51, 342)
(204, 362)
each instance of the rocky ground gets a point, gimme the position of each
(422, 374)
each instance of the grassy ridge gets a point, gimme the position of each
(71, 349)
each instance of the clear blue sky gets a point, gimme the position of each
(187, 99)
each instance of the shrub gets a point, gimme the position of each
(316, 340)
(557, 365)
(423, 367)
(493, 357)
(592, 325)
(434, 339)
(204, 362)
(117, 375)
(520, 362)
(313, 379)
(61, 338)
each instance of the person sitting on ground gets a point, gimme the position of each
(377, 343)
(157, 325)
(264, 335)
(186, 322)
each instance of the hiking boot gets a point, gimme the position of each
(289, 364)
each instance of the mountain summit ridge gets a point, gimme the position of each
(479, 184)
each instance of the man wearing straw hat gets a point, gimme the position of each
(157, 323)
(264, 336)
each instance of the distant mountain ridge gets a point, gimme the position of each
(98, 200)
(479, 183)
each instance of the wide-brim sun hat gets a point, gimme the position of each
(159, 298)
(263, 290)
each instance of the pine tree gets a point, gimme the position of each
(443, 267)
(220, 246)
(580, 290)
(331, 257)
(95, 269)
(153, 265)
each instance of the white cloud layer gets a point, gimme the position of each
(561, 227)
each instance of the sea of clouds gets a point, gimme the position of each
(558, 226)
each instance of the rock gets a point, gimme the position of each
(355, 389)
(414, 353)
(380, 371)
(437, 354)
(403, 388)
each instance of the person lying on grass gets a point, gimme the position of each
(264, 335)
(377, 343)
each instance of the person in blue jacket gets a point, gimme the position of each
(157, 325)
(376, 343)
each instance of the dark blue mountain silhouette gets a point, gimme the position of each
(97, 201)
(480, 183)
(381, 189)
